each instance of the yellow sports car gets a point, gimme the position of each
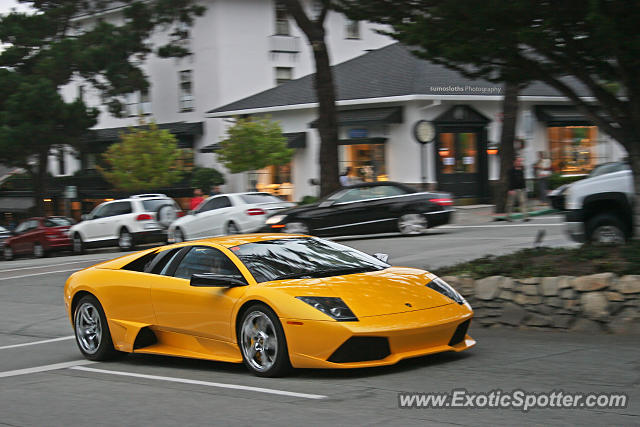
(274, 301)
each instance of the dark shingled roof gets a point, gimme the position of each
(113, 134)
(389, 71)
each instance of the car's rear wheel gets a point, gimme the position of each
(125, 240)
(412, 224)
(38, 250)
(92, 330)
(263, 343)
(606, 230)
(232, 228)
(296, 227)
(7, 253)
(78, 244)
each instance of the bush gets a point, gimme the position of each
(307, 200)
(205, 178)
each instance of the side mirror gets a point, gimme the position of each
(382, 257)
(212, 280)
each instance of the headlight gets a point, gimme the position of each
(275, 219)
(445, 289)
(332, 307)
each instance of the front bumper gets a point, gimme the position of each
(412, 334)
(574, 225)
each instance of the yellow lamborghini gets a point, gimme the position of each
(274, 301)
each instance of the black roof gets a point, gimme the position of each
(389, 71)
(113, 134)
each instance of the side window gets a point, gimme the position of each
(102, 211)
(22, 227)
(206, 206)
(352, 195)
(33, 224)
(216, 203)
(120, 208)
(161, 261)
(202, 259)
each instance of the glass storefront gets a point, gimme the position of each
(458, 152)
(573, 148)
(275, 180)
(367, 162)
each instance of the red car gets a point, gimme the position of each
(39, 236)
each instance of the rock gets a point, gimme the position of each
(506, 295)
(529, 289)
(550, 286)
(538, 320)
(542, 309)
(523, 299)
(487, 288)
(554, 302)
(529, 281)
(507, 283)
(626, 322)
(562, 320)
(568, 293)
(615, 307)
(629, 284)
(565, 282)
(513, 314)
(595, 305)
(614, 296)
(463, 284)
(487, 321)
(586, 325)
(594, 282)
(571, 305)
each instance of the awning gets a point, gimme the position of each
(367, 116)
(16, 204)
(294, 140)
(113, 134)
(561, 115)
(356, 141)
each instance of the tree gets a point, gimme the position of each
(325, 92)
(596, 43)
(254, 144)
(48, 48)
(146, 158)
(205, 178)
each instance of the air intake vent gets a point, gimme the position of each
(361, 349)
(460, 333)
(145, 338)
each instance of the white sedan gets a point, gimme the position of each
(226, 214)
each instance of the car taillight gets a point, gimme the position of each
(143, 217)
(442, 202)
(51, 232)
(180, 214)
(255, 211)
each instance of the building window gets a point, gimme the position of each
(145, 102)
(62, 170)
(138, 103)
(573, 148)
(352, 29)
(186, 91)
(275, 180)
(366, 162)
(81, 92)
(283, 74)
(282, 20)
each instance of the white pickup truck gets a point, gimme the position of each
(599, 208)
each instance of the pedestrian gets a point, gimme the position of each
(215, 190)
(196, 199)
(517, 189)
(542, 171)
(345, 179)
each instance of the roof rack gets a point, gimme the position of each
(146, 196)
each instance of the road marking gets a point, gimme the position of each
(37, 274)
(37, 342)
(506, 224)
(55, 265)
(203, 383)
(45, 368)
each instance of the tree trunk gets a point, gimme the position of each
(40, 182)
(509, 118)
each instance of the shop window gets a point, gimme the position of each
(275, 180)
(367, 162)
(458, 152)
(573, 148)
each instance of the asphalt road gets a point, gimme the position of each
(45, 381)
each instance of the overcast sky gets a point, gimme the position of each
(6, 5)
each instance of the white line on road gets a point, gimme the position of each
(37, 274)
(45, 368)
(37, 342)
(54, 265)
(451, 227)
(204, 383)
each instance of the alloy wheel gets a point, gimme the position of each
(38, 251)
(7, 252)
(88, 328)
(77, 244)
(259, 341)
(232, 228)
(608, 235)
(296, 228)
(125, 240)
(410, 224)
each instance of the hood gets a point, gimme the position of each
(374, 293)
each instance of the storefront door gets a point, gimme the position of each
(459, 162)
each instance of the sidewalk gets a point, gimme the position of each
(483, 214)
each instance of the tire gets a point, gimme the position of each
(296, 227)
(606, 229)
(262, 342)
(178, 236)
(38, 250)
(92, 330)
(125, 240)
(412, 224)
(232, 228)
(78, 244)
(7, 253)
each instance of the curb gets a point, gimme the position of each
(532, 213)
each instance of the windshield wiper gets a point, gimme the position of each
(329, 272)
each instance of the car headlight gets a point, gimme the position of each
(275, 219)
(332, 307)
(445, 289)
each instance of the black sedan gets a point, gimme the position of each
(378, 207)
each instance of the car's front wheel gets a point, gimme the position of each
(412, 224)
(38, 250)
(606, 230)
(296, 227)
(92, 330)
(263, 343)
(7, 253)
(78, 244)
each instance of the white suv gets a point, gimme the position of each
(142, 218)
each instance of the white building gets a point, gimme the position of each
(239, 47)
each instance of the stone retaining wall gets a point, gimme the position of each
(596, 303)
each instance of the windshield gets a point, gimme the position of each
(57, 222)
(303, 257)
(608, 168)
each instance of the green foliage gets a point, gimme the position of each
(307, 200)
(253, 145)
(144, 159)
(205, 178)
(556, 180)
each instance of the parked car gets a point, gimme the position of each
(227, 214)
(39, 237)
(367, 208)
(4, 235)
(143, 218)
(599, 208)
